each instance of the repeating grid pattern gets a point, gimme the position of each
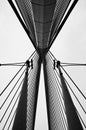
(56, 106)
(9, 106)
(33, 81)
(43, 13)
(66, 85)
(43, 19)
(60, 9)
(26, 11)
(57, 116)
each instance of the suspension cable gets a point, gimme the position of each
(71, 78)
(63, 108)
(12, 119)
(11, 80)
(61, 103)
(21, 21)
(60, 16)
(11, 111)
(12, 89)
(71, 64)
(58, 85)
(16, 75)
(11, 101)
(81, 118)
(66, 64)
(55, 75)
(53, 101)
(63, 22)
(61, 96)
(57, 80)
(51, 54)
(75, 96)
(73, 83)
(78, 102)
(12, 64)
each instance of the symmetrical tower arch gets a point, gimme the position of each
(42, 20)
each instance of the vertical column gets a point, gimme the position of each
(36, 92)
(47, 93)
(33, 87)
(72, 117)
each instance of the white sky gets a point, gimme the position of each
(70, 46)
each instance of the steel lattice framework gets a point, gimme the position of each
(42, 20)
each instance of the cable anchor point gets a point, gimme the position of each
(29, 63)
(56, 64)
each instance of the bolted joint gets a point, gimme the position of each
(29, 63)
(56, 64)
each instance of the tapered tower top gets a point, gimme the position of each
(42, 19)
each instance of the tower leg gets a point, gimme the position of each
(72, 117)
(26, 111)
(47, 93)
(20, 118)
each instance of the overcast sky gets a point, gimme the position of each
(69, 46)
